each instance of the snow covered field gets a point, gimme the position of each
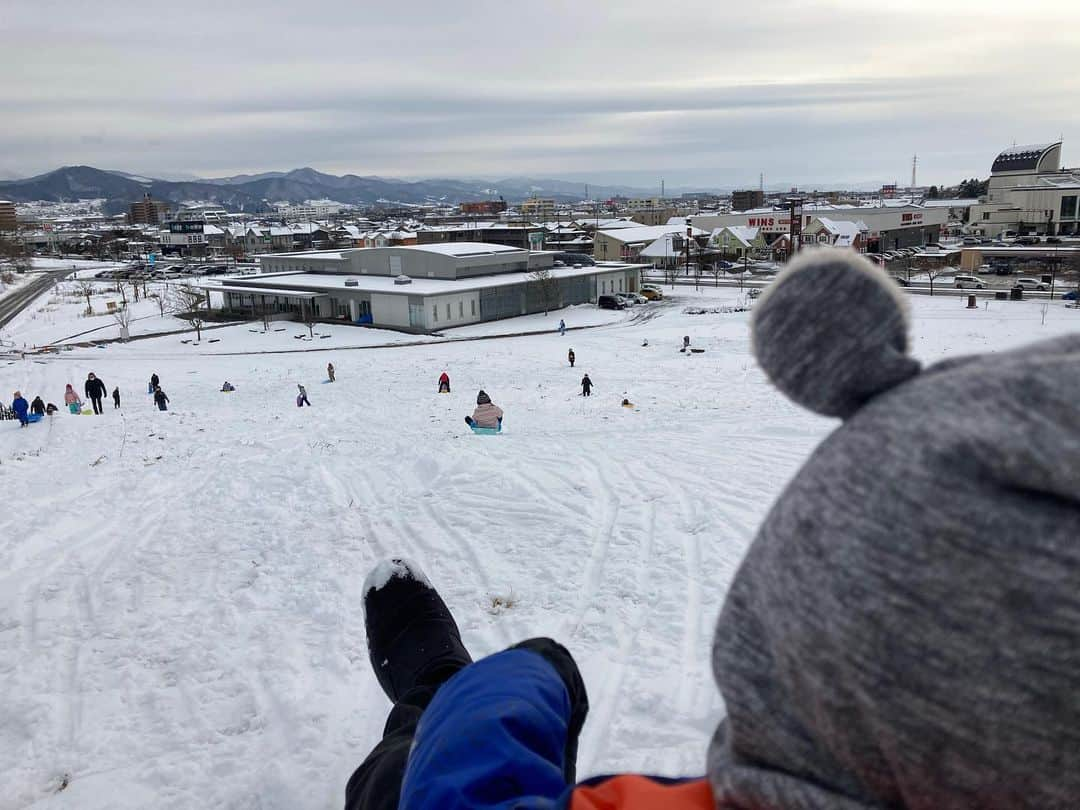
(180, 592)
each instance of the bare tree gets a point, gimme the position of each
(309, 317)
(932, 273)
(671, 272)
(13, 255)
(261, 308)
(188, 301)
(546, 286)
(86, 289)
(161, 300)
(123, 319)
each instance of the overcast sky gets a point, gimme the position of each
(699, 93)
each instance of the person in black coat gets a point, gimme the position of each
(570, 357)
(38, 406)
(116, 397)
(95, 390)
(154, 383)
(160, 399)
(586, 386)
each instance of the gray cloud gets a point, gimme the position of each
(829, 91)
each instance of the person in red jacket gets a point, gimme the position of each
(444, 383)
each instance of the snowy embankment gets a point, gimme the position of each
(180, 592)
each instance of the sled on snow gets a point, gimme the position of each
(33, 417)
(486, 431)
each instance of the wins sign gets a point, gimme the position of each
(768, 222)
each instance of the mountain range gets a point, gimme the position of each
(253, 193)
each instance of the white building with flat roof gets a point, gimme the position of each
(418, 288)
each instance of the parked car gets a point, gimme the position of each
(1053, 240)
(650, 294)
(1027, 240)
(631, 299)
(611, 302)
(962, 282)
(570, 259)
(970, 240)
(1028, 283)
(654, 288)
(1070, 295)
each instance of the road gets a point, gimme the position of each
(942, 286)
(12, 305)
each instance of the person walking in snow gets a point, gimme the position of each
(20, 406)
(71, 399)
(301, 398)
(869, 655)
(50, 409)
(570, 356)
(586, 386)
(562, 326)
(486, 415)
(116, 397)
(330, 371)
(444, 383)
(38, 406)
(160, 399)
(95, 390)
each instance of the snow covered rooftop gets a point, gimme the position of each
(744, 234)
(647, 233)
(463, 249)
(1023, 158)
(955, 203)
(385, 284)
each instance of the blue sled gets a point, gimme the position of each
(33, 417)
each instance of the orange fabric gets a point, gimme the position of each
(632, 792)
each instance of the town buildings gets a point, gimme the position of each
(8, 220)
(626, 244)
(745, 200)
(538, 208)
(148, 211)
(1029, 193)
(483, 208)
(889, 224)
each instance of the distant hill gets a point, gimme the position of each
(253, 193)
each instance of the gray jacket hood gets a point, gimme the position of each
(905, 628)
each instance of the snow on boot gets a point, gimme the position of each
(412, 637)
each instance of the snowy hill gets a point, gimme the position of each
(180, 592)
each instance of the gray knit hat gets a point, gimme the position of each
(905, 628)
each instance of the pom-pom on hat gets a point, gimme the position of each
(832, 332)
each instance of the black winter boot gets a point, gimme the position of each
(412, 638)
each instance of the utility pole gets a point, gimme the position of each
(794, 225)
(689, 231)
